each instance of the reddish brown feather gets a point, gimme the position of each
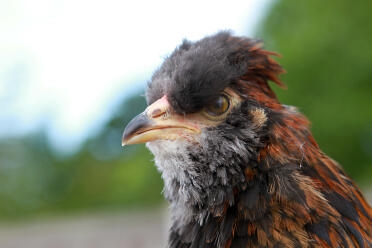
(291, 140)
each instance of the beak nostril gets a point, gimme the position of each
(156, 113)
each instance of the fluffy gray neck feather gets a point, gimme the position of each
(198, 179)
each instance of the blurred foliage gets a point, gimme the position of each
(101, 175)
(326, 49)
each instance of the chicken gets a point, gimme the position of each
(240, 169)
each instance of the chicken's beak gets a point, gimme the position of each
(158, 122)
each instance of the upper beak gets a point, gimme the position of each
(158, 122)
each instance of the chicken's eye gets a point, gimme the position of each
(218, 106)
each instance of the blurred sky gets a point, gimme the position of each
(64, 64)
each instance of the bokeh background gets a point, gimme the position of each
(73, 73)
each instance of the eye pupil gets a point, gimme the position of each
(219, 106)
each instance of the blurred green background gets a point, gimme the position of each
(326, 49)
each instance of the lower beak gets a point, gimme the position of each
(143, 128)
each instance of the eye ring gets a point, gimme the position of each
(219, 106)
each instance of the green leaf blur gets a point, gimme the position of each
(100, 176)
(326, 49)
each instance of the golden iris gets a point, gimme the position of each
(218, 106)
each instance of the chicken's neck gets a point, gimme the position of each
(271, 209)
(249, 196)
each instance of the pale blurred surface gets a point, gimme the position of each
(137, 229)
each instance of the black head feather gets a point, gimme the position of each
(196, 72)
